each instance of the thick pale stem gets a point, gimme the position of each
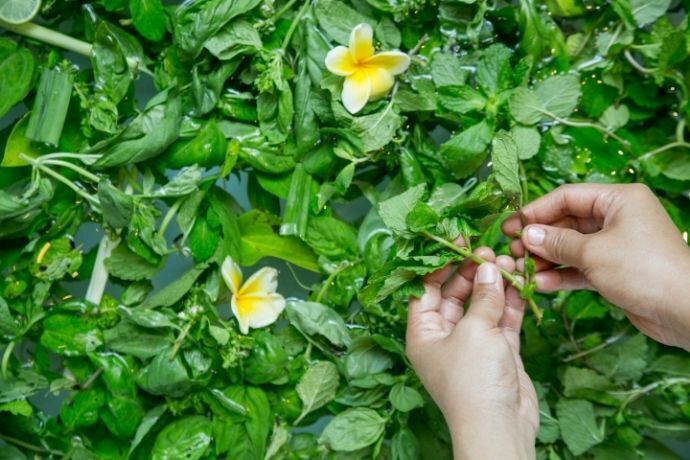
(99, 277)
(49, 36)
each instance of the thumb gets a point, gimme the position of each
(488, 296)
(558, 245)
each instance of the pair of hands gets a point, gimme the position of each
(616, 239)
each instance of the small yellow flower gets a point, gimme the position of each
(255, 302)
(368, 76)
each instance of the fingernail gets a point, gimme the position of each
(535, 236)
(486, 274)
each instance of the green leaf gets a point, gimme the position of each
(238, 37)
(244, 436)
(504, 158)
(337, 19)
(194, 23)
(139, 342)
(175, 290)
(527, 141)
(578, 425)
(146, 136)
(187, 438)
(203, 239)
(353, 429)
(332, 238)
(147, 423)
(146, 317)
(16, 74)
(404, 445)
(317, 387)
(576, 379)
(22, 384)
(259, 239)
(622, 361)
(314, 318)
(554, 97)
(208, 148)
(149, 18)
(395, 210)
(461, 99)
(404, 398)
(125, 264)
(70, 335)
(117, 206)
(446, 70)
(648, 11)
(466, 151)
(8, 325)
(493, 70)
(164, 376)
(378, 129)
(365, 358)
(82, 408)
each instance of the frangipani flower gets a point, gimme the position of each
(255, 302)
(368, 76)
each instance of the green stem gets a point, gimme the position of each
(6, 358)
(330, 279)
(639, 67)
(83, 157)
(586, 124)
(283, 10)
(601, 346)
(49, 36)
(638, 393)
(30, 446)
(293, 26)
(78, 169)
(180, 339)
(468, 254)
(663, 148)
(169, 216)
(37, 164)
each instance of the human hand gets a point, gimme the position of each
(618, 240)
(470, 361)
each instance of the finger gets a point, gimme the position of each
(557, 245)
(581, 224)
(514, 310)
(431, 299)
(539, 264)
(579, 200)
(488, 296)
(506, 263)
(566, 279)
(458, 288)
(517, 249)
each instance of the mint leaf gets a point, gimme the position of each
(578, 425)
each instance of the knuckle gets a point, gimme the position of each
(487, 296)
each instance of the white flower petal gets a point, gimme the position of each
(257, 310)
(339, 61)
(232, 274)
(361, 42)
(395, 62)
(356, 91)
(264, 281)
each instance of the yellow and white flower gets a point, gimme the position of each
(255, 302)
(368, 76)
